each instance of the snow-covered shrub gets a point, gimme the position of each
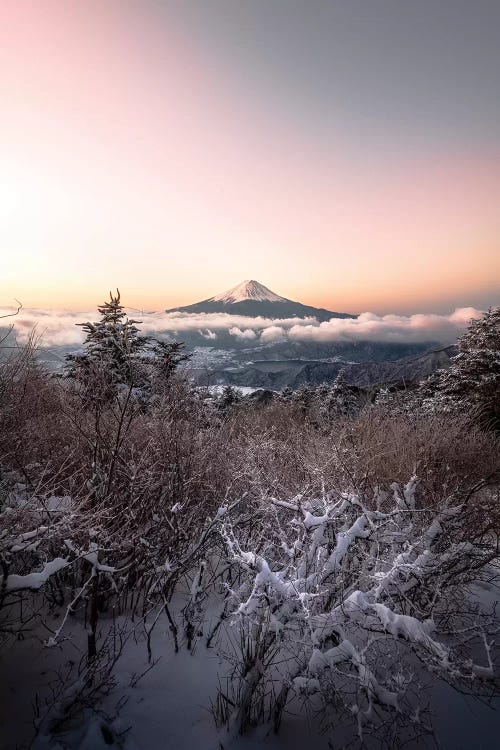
(338, 597)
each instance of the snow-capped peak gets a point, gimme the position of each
(248, 290)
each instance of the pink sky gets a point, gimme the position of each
(129, 157)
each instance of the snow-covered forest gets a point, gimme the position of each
(189, 569)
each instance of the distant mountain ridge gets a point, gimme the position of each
(253, 299)
(276, 375)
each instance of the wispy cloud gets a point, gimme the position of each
(61, 328)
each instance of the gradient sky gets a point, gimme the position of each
(344, 153)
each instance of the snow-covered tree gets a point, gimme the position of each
(112, 348)
(324, 401)
(115, 354)
(229, 398)
(473, 378)
(303, 397)
(338, 399)
(167, 356)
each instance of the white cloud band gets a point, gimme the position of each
(58, 328)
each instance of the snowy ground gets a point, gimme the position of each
(169, 707)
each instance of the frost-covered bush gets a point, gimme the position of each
(326, 402)
(340, 598)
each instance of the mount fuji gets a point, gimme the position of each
(254, 299)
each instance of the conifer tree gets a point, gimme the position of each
(303, 397)
(342, 396)
(323, 401)
(166, 358)
(473, 378)
(229, 398)
(114, 354)
(112, 348)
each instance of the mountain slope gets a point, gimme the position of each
(254, 299)
(248, 290)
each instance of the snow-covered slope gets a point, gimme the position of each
(254, 299)
(248, 290)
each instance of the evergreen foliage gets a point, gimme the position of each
(303, 397)
(343, 398)
(337, 399)
(473, 378)
(229, 398)
(112, 345)
(114, 354)
(167, 356)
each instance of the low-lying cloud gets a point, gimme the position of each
(61, 328)
(391, 328)
(247, 333)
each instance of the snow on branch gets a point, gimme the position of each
(35, 581)
(333, 580)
